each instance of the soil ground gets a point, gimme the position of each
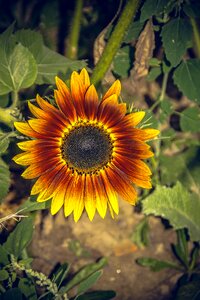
(59, 240)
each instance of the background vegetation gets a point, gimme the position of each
(153, 47)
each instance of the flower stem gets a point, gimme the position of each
(196, 36)
(72, 45)
(115, 40)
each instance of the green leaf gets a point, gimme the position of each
(176, 38)
(60, 274)
(3, 275)
(97, 295)
(12, 294)
(181, 247)
(154, 73)
(186, 77)
(89, 282)
(4, 179)
(166, 106)
(32, 205)
(122, 62)
(184, 167)
(153, 7)
(20, 237)
(5, 140)
(18, 68)
(83, 274)
(3, 256)
(27, 288)
(51, 63)
(176, 205)
(4, 100)
(140, 235)
(31, 40)
(156, 265)
(133, 32)
(190, 119)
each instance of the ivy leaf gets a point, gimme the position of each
(190, 119)
(176, 205)
(176, 38)
(152, 7)
(186, 77)
(4, 179)
(51, 63)
(20, 237)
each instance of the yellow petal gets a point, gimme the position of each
(136, 117)
(114, 89)
(90, 203)
(56, 203)
(85, 77)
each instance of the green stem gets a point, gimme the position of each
(115, 41)
(72, 45)
(196, 36)
(162, 94)
(15, 99)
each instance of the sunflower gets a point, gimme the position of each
(84, 153)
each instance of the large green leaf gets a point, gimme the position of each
(186, 77)
(20, 237)
(176, 205)
(18, 68)
(51, 63)
(190, 119)
(184, 167)
(176, 38)
(4, 179)
(153, 7)
(30, 39)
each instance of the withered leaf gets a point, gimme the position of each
(144, 51)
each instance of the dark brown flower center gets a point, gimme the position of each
(87, 148)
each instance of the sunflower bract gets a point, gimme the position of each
(85, 152)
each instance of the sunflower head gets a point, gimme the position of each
(85, 152)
